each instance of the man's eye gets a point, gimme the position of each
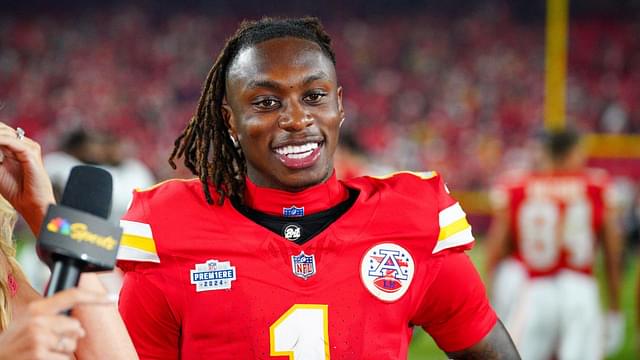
(315, 97)
(266, 104)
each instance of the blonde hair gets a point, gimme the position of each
(8, 217)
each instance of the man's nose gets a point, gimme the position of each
(295, 118)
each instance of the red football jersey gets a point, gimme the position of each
(205, 282)
(556, 218)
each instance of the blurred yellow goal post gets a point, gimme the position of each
(600, 146)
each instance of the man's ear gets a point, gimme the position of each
(229, 119)
(340, 107)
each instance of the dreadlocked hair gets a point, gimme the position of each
(206, 144)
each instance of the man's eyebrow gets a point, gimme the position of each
(268, 84)
(320, 75)
(263, 84)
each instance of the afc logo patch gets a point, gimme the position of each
(386, 271)
(303, 265)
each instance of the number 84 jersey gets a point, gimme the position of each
(556, 218)
(205, 282)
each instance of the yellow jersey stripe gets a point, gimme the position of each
(453, 228)
(464, 237)
(138, 242)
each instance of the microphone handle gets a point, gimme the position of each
(65, 274)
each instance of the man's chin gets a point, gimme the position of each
(303, 179)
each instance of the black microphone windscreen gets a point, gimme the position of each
(89, 189)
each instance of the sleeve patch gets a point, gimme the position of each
(130, 254)
(462, 238)
(454, 228)
(137, 242)
(450, 215)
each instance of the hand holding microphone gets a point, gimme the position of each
(42, 333)
(76, 236)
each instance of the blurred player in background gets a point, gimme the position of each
(105, 150)
(78, 147)
(268, 254)
(550, 223)
(127, 171)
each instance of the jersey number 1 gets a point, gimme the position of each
(302, 332)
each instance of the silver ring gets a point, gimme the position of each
(20, 133)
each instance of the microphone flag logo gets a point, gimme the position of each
(59, 225)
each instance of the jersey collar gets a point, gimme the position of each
(283, 203)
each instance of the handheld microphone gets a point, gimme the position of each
(75, 236)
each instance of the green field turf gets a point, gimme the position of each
(424, 348)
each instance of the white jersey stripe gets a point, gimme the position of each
(136, 228)
(451, 214)
(132, 254)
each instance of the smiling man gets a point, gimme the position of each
(279, 258)
(284, 107)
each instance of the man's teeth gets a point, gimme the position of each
(299, 156)
(297, 151)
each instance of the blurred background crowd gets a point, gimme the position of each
(423, 90)
(455, 87)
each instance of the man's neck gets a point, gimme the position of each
(310, 200)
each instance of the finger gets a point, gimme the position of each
(67, 299)
(21, 149)
(5, 127)
(52, 355)
(65, 345)
(64, 326)
(9, 132)
(49, 328)
(10, 136)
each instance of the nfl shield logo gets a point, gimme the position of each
(293, 211)
(303, 265)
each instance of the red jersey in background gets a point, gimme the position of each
(556, 218)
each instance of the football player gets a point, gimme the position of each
(551, 222)
(266, 254)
